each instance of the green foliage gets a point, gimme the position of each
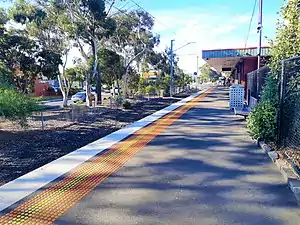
(150, 90)
(270, 90)
(111, 67)
(262, 121)
(159, 61)
(76, 73)
(182, 79)
(16, 106)
(23, 12)
(287, 41)
(127, 105)
(142, 85)
(163, 83)
(5, 76)
(133, 80)
(79, 102)
(25, 56)
(206, 73)
(3, 20)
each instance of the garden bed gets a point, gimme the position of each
(23, 150)
(291, 154)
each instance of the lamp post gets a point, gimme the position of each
(171, 62)
(259, 29)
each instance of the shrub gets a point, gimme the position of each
(16, 106)
(127, 105)
(262, 121)
(79, 102)
(270, 90)
(150, 89)
(5, 76)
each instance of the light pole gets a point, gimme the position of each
(259, 29)
(197, 76)
(172, 62)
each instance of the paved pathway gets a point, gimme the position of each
(203, 169)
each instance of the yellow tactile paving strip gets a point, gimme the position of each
(48, 205)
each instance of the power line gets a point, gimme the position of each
(142, 8)
(121, 10)
(250, 24)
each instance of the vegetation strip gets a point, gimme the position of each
(54, 201)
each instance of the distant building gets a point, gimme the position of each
(236, 63)
(151, 75)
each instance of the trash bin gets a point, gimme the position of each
(237, 94)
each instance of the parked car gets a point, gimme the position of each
(81, 96)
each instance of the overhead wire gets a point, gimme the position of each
(137, 4)
(250, 23)
(155, 18)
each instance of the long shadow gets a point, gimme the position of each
(24, 151)
(190, 178)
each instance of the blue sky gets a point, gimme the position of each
(212, 24)
(209, 23)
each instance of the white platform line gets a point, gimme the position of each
(25, 185)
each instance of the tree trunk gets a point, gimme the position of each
(94, 43)
(118, 87)
(127, 65)
(125, 89)
(63, 91)
(88, 91)
(99, 86)
(65, 99)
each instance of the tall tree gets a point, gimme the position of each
(51, 29)
(287, 41)
(91, 24)
(24, 56)
(132, 38)
(111, 67)
(205, 72)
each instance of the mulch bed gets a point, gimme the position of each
(23, 150)
(293, 155)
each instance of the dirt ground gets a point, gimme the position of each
(23, 150)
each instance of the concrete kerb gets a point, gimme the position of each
(27, 184)
(289, 175)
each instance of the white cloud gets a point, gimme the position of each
(209, 31)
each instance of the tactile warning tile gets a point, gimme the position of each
(48, 205)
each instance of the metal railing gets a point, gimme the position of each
(255, 82)
(289, 104)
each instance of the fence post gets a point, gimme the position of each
(281, 103)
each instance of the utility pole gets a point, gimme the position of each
(259, 29)
(197, 72)
(171, 65)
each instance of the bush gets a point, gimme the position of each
(16, 106)
(262, 121)
(127, 105)
(270, 90)
(5, 76)
(150, 90)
